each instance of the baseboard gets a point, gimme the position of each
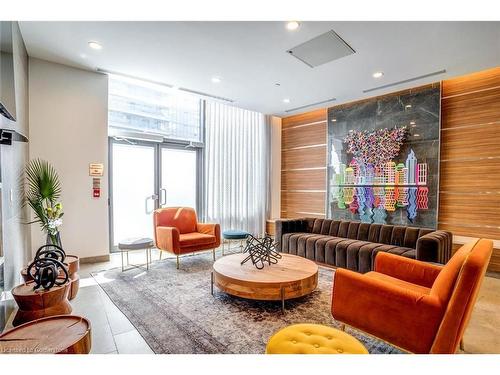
(96, 259)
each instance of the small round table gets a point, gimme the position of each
(40, 303)
(131, 244)
(313, 339)
(233, 235)
(62, 334)
(292, 277)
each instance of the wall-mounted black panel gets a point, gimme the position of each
(389, 192)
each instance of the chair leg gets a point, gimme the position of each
(122, 259)
(177, 262)
(462, 345)
(342, 327)
(222, 247)
(213, 252)
(161, 252)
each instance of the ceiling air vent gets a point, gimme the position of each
(322, 49)
(405, 81)
(310, 105)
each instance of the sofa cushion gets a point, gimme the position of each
(195, 238)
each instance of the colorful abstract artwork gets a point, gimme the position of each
(375, 147)
(373, 184)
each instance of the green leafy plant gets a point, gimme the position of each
(43, 191)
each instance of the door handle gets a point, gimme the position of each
(146, 206)
(163, 200)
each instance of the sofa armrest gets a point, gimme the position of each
(167, 238)
(435, 247)
(401, 316)
(284, 226)
(410, 270)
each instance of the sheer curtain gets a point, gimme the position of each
(236, 167)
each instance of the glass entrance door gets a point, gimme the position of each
(178, 177)
(143, 177)
(132, 181)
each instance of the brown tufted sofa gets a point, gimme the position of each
(354, 245)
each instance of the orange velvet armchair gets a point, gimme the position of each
(419, 307)
(177, 231)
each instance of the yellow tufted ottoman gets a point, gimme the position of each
(313, 339)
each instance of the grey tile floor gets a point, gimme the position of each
(112, 332)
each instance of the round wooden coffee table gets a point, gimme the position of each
(291, 277)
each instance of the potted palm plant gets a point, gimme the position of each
(43, 191)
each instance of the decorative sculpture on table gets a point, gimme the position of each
(261, 251)
(48, 269)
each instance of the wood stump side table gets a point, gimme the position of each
(36, 304)
(62, 334)
(73, 263)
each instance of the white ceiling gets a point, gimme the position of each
(251, 57)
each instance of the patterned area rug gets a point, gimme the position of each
(175, 313)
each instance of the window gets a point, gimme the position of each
(136, 105)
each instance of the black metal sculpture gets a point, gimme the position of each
(48, 269)
(261, 251)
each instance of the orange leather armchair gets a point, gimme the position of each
(177, 231)
(419, 307)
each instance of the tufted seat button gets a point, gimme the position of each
(308, 333)
(339, 350)
(294, 341)
(329, 337)
(316, 345)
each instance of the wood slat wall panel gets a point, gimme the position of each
(471, 176)
(304, 136)
(474, 142)
(304, 118)
(299, 214)
(458, 229)
(302, 202)
(304, 158)
(469, 202)
(483, 80)
(460, 207)
(471, 109)
(301, 130)
(308, 179)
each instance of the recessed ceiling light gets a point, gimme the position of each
(416, 135)
(412, 122)
(377, 74)
(408, 106)
(95, 45)
(286, 100)
(216, 79)
(292, 25)
(277, 84)
(334, 120)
